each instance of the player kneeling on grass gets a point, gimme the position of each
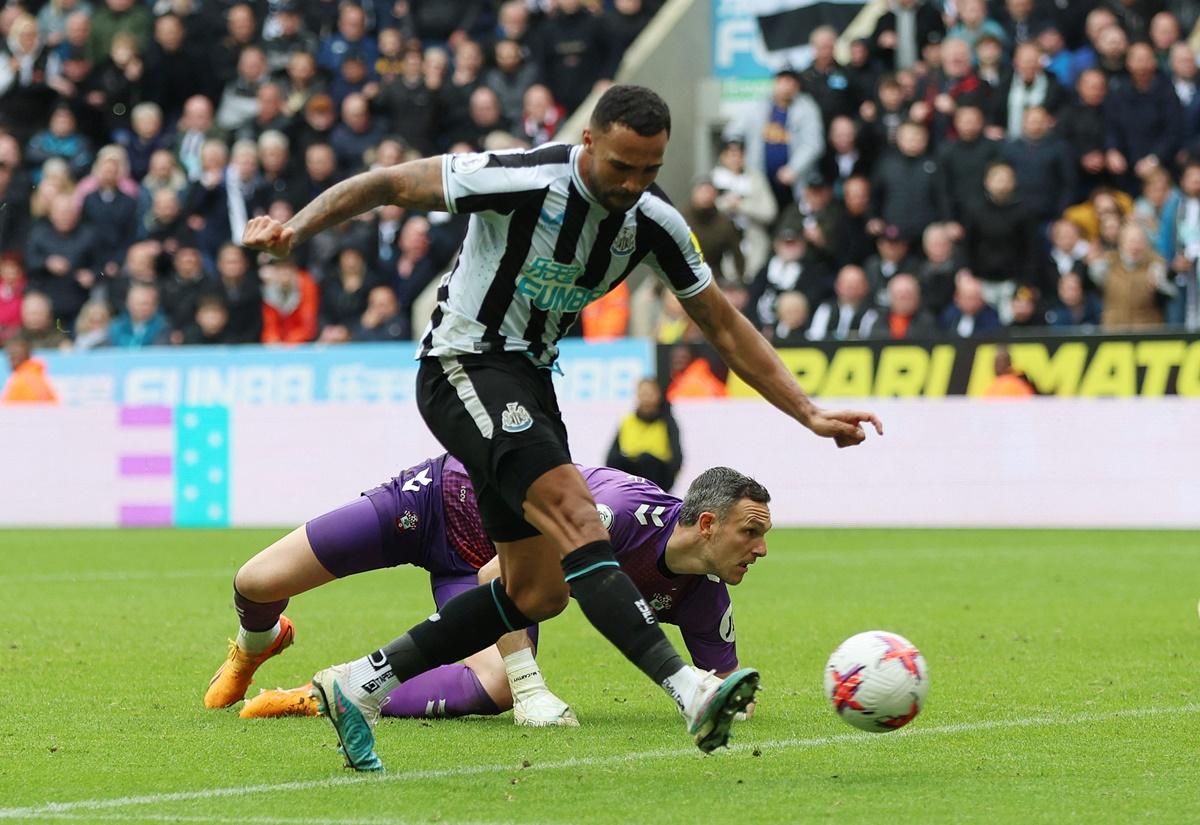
(426, 517)
(681, 555)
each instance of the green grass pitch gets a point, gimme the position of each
(1064, 672)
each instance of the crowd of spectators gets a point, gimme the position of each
(137, 137)
(986, 170)
(974, 168)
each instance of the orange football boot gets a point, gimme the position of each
(232, 679)
(275, 704)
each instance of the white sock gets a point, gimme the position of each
(683, 686)
(524, 675)
(371, 678)
(257, 641)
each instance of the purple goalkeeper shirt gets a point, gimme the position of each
(639, 517)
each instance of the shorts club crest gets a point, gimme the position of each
(515, 419)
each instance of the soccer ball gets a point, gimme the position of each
(877, 681)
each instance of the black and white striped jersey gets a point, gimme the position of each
(539, 248)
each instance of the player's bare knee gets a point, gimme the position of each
(256, 584)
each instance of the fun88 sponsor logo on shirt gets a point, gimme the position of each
(550, 286)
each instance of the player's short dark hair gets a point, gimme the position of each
(635, 107)
(716, 490)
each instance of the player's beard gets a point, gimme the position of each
(619, 201)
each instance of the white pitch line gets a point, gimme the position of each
(219, 819)
(49, 808)
(112, 576)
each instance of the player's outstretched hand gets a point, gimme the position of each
(268, 235)
(844, 426)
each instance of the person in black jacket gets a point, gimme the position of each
(939, 268)
(174, 71)
(825, 78)
(409, 105)
(621, 25)
(853, 242)
(647, 441)
(863, 71)
(437, 20)
(1001, 234)
(791, 267)
(1083, 127)
(573, 57)
(908, 184)
(180, 291)
(239, 289)
(1044, 167)
(848, 152)
(344, 291)
(964, 159)
(15, 217)
(60, 257)
(1145, 121)
(210, 324)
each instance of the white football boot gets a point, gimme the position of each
(716, 706)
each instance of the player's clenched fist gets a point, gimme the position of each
(268, 235)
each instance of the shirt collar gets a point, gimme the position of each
(577, 178)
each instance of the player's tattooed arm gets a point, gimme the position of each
(755, 361)
(413, 185)
(747, 353)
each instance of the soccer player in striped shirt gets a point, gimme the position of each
(551, 230)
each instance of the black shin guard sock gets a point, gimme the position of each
(257, 616)
(613, 605)
(468, 623)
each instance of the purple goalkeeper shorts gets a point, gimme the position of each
(400, 522)
(363, 535)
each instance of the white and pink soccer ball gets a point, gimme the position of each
(877, 681)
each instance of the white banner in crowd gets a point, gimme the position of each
(949, 462)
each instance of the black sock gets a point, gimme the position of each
(467, 624)
(613, 605)
(257, 616)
